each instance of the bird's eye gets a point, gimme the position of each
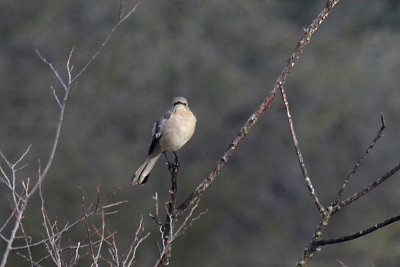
(180, 102)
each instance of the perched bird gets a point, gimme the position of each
(170, 133)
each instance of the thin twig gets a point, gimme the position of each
(72, 225)
(27, 241)
(341, 263)
(104, 43)
(19, 208)
(28, 259)
(365, 190)
(86, 222)
(69, 67)
(355, 168)
(64, 249)
(131, 254)
(155, 216)
(186, 223)
(358, 234)
(299, 155)
(121, 9)
(103, 226)
(64, 85)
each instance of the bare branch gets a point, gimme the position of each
(366, 189)
(355, 168)
(131, 254)
(18, 209)
(70, 226)
(252, 120)
(55, 143)
(70, 68)
(14, 230)
(86, 222)
(156, 217)
(300, 156)
(76, 254)
(5, 224)
(6, 161)
(55, 96)
(167, 229)
(186, 223)
(341, 263)
(121, 9)
(53, 69)
(103, 226)
(358, 234)
(5, 180)
(104, 43)
(51, 244)
(27, 241)
(21, 201)
(28, 259)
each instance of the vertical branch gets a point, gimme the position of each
(52, 245)
(168, 227)
(19, 205)
(86, 221)
(100, 246)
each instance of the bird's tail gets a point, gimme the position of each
(142, 174)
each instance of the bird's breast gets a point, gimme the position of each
(177, 131)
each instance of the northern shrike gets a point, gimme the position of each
(170, 133)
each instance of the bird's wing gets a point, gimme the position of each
(157, 130)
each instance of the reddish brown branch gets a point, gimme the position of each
(304, 40)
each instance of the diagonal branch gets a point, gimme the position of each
(121, 19)
(299, 155)
(358, 234)
(252, 120)
(355, 168)
(365, 190)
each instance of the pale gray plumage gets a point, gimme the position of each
(170, 133)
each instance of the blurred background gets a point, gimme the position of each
(224, 56)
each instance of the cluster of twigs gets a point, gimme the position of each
(170, 232)
(22, 190)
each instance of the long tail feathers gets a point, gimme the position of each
(142, 174)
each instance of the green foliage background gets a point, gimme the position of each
(224, 56)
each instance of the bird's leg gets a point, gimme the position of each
(169, 164)
(166, 156)
(176, 161)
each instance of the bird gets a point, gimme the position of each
(172, 131)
